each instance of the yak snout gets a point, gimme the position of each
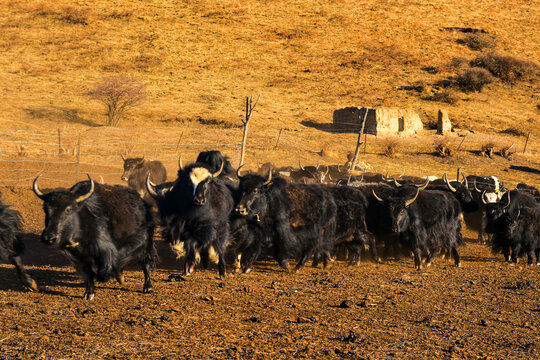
(241, 210)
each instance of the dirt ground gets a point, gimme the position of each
(487, 309)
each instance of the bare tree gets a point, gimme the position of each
(249, 109)
(118, 93)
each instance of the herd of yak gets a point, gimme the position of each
(312, 213)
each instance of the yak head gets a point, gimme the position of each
(397, 207)
(495, 212)
(253, 188)
(461, 191)
(62, 207)
(130, 165)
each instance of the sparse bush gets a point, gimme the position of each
(448, 96)
(487, 149)
(474, 79)
(443, 148)
(478, 41)
(506, 153)
(458, 63)
(74, 15)
(218, 123)
(118, 93)
(391, 145)
(506, 67)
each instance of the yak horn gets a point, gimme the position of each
(89, 193)
(424, 185)
(122, 155)
(401, 175)
(151, 187)
(318, 165)
(36, 188)
(475, 187)
(238, 171)
(219, 171)
(396, 182)
(465, 181)
(300, 163)
(269, 177)
(452, 189)
(349, 180)
(409, 202)
(180, 166)
(376, 197)
(507, 205)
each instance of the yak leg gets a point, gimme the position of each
(530, 257)
(90, 291)
(537, 256)
(25, 279)
(457, 258)
(249, 256)
(147, 286)
(417, 258)
(506, 252)
(516, 250)
(306, 255)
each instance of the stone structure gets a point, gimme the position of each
(444, 126)
(379, 121)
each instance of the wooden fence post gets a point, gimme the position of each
(78, 158)
(277, 141)
(526, 141)
(359, 140)
(59, 143)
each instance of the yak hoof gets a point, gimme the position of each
(32, 286)
(247, 270)
(149, 291)
(120, 279)
(429, 264)
(88, 297)
(458, 264)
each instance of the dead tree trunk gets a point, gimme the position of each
(249, 109)
(359, 141)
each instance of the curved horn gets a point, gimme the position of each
(180, 166)
(452, 189)
(300, 163)
(507, 205)
(36, 188)
(330, 178)
(318, 165)
(349, 180)
(424, 185)
(89, 193)
(269, 177)
(238, 171)
(409, 202)
(216, 174)
(396, 182)
(465, 181)
(376, 197)
(151, 187)
(327, 170)
(475, 187)
(123, 157)
(259, 165)
(362, 178)
(401, 175)
(483, 198)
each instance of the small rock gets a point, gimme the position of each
(174, 278)
(165, 318)
(352, 337)
(221, 285)
(484, 322)
(255, 319)
(88, 311)
(345, 304)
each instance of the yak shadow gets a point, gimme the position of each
(525, 169)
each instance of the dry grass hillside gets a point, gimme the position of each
(307, 58)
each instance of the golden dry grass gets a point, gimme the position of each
(307, 58)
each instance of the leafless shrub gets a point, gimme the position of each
(74, 15)
(118, 93)
(217, 123)
(458, 63)
(487, 150)
(506, 67)
(443, 148)
(506, 152)
(21, 150)
(448, 96)
(478, 41)
(474, 79)
(391, 145)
